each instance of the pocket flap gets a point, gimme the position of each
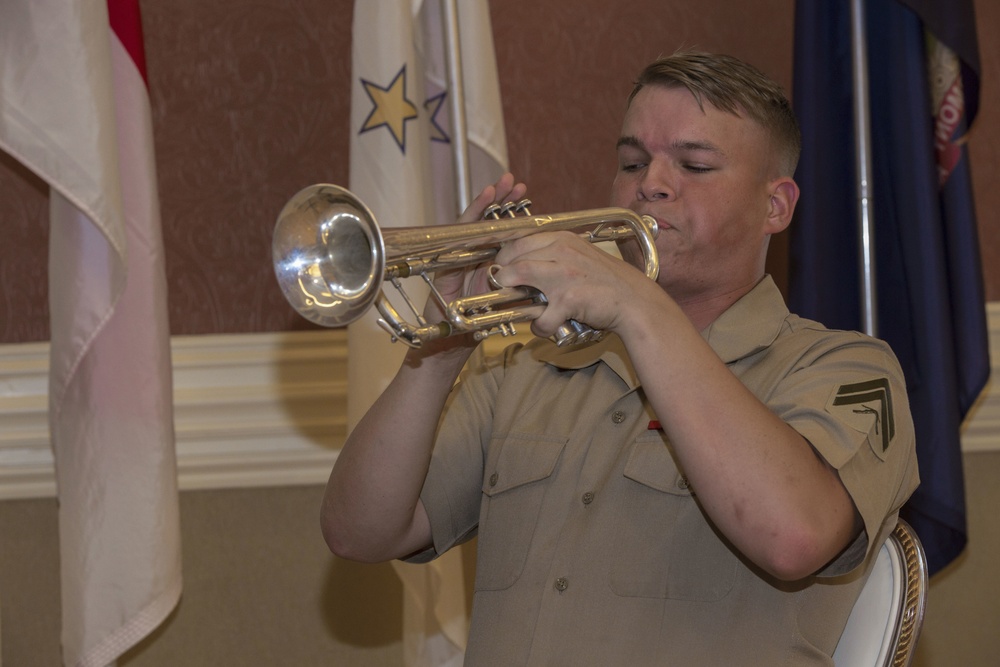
(651, 464)
(520, 459)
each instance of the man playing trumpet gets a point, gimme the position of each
(703, 485)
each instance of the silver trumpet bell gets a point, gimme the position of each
(331, 258)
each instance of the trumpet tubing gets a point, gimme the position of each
(331, 258)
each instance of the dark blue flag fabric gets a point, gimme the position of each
(924, 90)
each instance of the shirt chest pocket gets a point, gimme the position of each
(666, 546)
(515, 481)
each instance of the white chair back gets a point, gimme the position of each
(887, 617)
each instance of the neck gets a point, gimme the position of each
(703, 310)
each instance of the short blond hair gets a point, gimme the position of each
(733, 86)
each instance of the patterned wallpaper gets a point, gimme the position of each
(24, 237)
(248, 107)
(250, 104)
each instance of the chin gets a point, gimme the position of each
(628, 250)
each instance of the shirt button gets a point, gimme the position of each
(588, 498)
(684, 483)
(562, 584)
(618, 416)
(493, 479)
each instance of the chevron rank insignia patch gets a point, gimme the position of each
(872, 399)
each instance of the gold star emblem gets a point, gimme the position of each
(392, 109)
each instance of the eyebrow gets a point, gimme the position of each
(685, 146)
(630, 141)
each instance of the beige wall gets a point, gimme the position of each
(963, 609)
(261, 589)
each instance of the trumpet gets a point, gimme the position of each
(331, 259)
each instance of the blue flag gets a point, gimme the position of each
(924, 90)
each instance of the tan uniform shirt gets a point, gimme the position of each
(592, 547)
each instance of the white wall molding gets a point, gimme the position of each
(263, 410)
(249, 410)
(981, 431)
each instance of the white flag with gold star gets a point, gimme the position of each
(402, 168)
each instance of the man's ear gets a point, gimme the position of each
(784, 196)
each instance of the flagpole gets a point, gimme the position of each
(863, 163)
(456, 91)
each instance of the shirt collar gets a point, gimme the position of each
(749, 325)
(609, 349)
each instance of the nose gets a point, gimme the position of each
(654, 185)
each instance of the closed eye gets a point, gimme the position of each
(632, 155)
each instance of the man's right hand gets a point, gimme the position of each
(466, 281)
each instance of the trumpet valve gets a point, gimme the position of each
(507, 209)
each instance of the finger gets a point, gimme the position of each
(491, 275)
(491, 194)
(509, 190)
(479, 204)
(532, 244)
(561, 265)
(506, 189)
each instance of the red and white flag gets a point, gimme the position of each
(74, 108)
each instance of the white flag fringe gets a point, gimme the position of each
(402, 168)
(75, 110)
